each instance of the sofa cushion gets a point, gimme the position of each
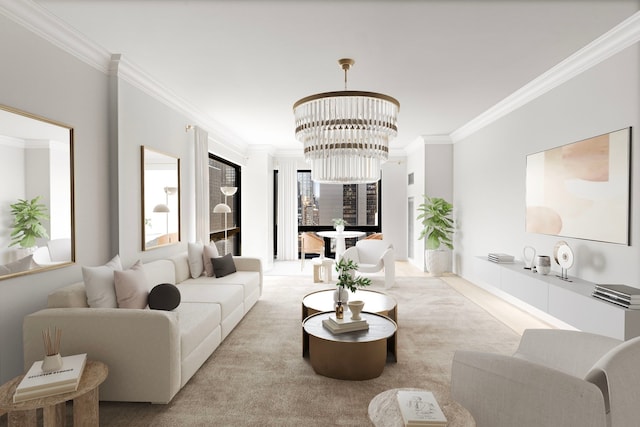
(196, 260)
(208, 252)
(99, 284)
(68, 296)
(164, 296)
(250, 280)
(230, 297)
(160, 271)
(223, 266)
(180, 268)
(132, 290)
(196, 322)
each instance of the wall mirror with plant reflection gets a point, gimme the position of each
(36, 199)
(160, 199)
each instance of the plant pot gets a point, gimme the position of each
(339, 228)
(437, 261)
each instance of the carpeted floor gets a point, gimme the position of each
(258, 376)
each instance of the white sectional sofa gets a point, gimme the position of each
(151, 354)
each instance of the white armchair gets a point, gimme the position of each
(372, 256)
(556, 378)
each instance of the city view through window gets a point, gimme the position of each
(319, 204)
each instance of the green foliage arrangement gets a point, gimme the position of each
(436, 222)
(338, 221)
(27, 222)
(346, 279)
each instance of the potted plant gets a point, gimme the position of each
(338, 224)
(347, 279)
(437, 231)
(27, 222)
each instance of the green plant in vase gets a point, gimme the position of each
(347, 278)
(437, 230)
(338, 224)
(27, 222)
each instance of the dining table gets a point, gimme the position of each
(340, 239)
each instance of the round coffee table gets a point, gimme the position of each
(85, 401)
(358, 355)
(374, 302)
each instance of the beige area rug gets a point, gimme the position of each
(258, 377)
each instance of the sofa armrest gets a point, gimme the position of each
(503, 391)
(244, 263)
(140, 347)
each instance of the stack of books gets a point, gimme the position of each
(622, 295)
(420, 408)
(497, 257)
(37, 383)
(340, 326)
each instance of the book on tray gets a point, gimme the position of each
(38, 383)
(499, 257)
(420, 408)
(346, 324)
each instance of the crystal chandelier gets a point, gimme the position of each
(346, 133)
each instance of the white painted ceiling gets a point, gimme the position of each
(245, 63)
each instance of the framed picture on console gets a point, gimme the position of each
(582, 189)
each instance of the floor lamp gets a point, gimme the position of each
(164, 208)
(223, 208)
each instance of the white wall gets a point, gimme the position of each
(143, 120)
(430, 159)
(394, 204)
(489, 175)
(68, 91)
(257, 207)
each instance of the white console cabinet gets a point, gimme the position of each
(570, 302)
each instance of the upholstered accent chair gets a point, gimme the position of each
(373, 255)
(310, 243)
(555, 378)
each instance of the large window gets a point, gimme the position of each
(319, 204)
(225, 227)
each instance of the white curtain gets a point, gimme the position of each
(287, 210)
(202, 184)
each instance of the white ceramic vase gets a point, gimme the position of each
(355, 307)
(339, 228)
(344, 295)
(437, 261)
(52, 363)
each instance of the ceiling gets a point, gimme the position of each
(244, 63)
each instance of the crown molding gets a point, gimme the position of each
(613, 41)
(43, 23)
(137, 77)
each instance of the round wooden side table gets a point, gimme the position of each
(85, 401)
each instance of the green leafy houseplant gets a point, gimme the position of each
(436, 222)
(27, 222)
(346, 277)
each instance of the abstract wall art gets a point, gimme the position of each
(581, 189)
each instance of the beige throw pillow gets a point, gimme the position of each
(98, 283)
(132, 290)
(209, 251)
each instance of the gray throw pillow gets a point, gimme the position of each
(223, 266)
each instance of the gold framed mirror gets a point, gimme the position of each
(160, 199)
(37, 199)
